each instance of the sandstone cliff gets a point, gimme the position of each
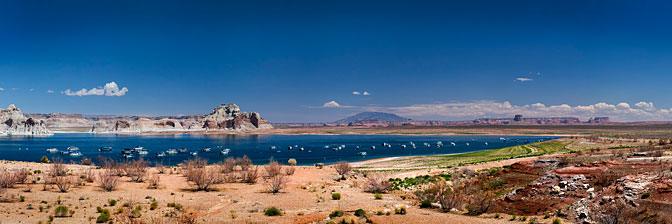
(13, 122)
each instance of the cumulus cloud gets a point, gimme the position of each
(356, 93)
(50, 91)
(366, 93)
(522, 79)
(331, 104)
(2, 89)
(648, 106)
(110, 89)
(478, 109)
(31, 89)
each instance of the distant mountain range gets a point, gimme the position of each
(379, 116)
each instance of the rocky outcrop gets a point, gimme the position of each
(228, 116)
(224, 117)
(58, 121)
(13, 122)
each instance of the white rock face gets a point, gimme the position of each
(229, 117)
(14, 123)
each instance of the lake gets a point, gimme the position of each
(257, 147)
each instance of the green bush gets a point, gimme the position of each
(272, 211)
(22, 198)
(400, 211)
(426, 204)
(61, 211)
(337, 213)
(112, 202)
(360, 212)
(292, 162)
(44, 159)
(153, 206)
(557, 221)
(104, 216)
(99, 209)
(136, 213)
(378, 196)
(336, 196)
(646, 195)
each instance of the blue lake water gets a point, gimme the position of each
(257, 147)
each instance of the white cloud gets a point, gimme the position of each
(479, 109)
(31, 89)
(522, 79)
(356, 93)
(50, 91)
(648, 106)
(366, 93)
(110, 89)
(2, 89)
(331, 104)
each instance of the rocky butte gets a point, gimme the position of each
(15, 123)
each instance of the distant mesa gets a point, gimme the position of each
(15, 123)
(372, 116)
(519, 119)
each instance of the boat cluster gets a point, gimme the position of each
(137, 150)
(70, 151)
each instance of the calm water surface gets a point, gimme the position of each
(257, 147)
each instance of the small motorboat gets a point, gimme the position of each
(361, 153)
(105, 149)
(75, 154)
(193, 153)
(301, 149)
(373, 147)
(72, 148)
(138, 148)
(205, 150)
(182, 150)
(225, 152)
(52, 150)
(65, 152)
(171, 151)
(141, 152)
(127, 151)
(272, 147)
(289, 147)
(160, 154)
(356, 147)
(403, 146)
(128, 156)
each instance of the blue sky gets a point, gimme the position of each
(446, 60)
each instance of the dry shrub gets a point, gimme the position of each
(617, 211)
(108, 180)
(153, 181)
(7, 179)
(137, 170)
(89, 175)
(160, 167)
(342, 168)
(449, 196)
(377, 183)
(202, 177)
(276, 183)
(289, 170)
(250, 176)
(604, 179)
(21, 175)
(480, 202)
(117, 168)
(57, 167)
(228, 165)
(63, 183)
(244, 163)
(273, 168)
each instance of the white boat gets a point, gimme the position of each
(403, 146)
(272, 147)
(141, 152)
(105, 149)
(193, 153)
(128, 156)
(301, 149)
(182, 150)
(361, 153)
(205, 150)
(52, 150)
(160, 154)
(486, 143)
(225, 152)
(373, 147)
(73, 148)
(138, 148)
(75, 154)
(467, 143)
(171, 151)
(289, 147)
(452, 143)
(65, 152)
